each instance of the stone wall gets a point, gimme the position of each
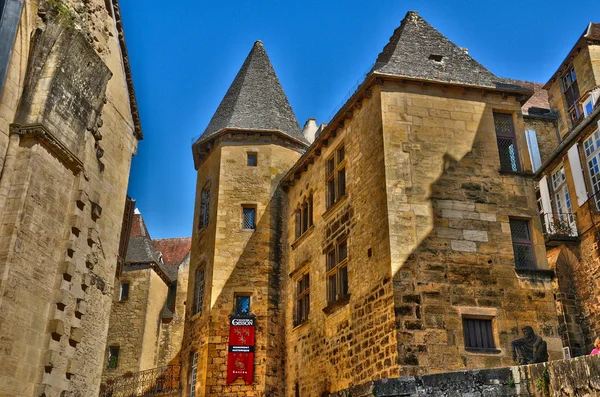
(449, 209)
(62, 196)
(576, 377)
(546, 132)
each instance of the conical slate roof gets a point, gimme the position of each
(417, 50)
(255, 101)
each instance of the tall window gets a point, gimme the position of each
(302, 299)
(522, 244)
(198, 290)
(336, 176)
(304, 216)
(249, 218)
(591, 147)
(242, 305)
(564, 218)
(193, 373)
(571, 91)
(478, 333)
(507, 142)
(337, 272)
(204, 207)
(113, 356)
(124, 292)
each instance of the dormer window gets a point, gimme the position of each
(436, 58)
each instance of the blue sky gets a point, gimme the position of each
(185, 55)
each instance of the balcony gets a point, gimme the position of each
(152, 382)
(559, 228)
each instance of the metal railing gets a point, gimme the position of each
(152, 382)
(559, 224)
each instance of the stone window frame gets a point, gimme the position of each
(204, 216)
(561, 198)
(335, 176)
(303, 216)
(512, 136)
(479, 313)
(244, 207)
(110, 355)
(523, 242)
(237, 295)
(570, 89)
(124, 292)
(199, 288)
(336, 266)
(302, 298)
(252, 155)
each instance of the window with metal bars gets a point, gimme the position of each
(522, 244)
(242, 305)
(302, 299)
(198, 290)
(479, 334)
(337, 272)
(204, 207)
(507, 142)
(193, 373)
(336, 176)
(249, 218)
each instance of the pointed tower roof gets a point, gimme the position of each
(417, 50)
(255, 101)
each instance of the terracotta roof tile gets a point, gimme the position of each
(174, 250)
(539, 99)
(138, 227)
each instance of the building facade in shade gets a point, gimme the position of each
(147, 316)
(402, 238)
(68, 129)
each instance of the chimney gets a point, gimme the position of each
(309, 130)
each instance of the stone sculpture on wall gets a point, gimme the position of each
(530, 349)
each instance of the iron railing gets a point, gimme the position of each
(559, 224)
(152, 382)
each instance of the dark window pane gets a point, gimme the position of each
(342, 251)
(478, 333)
(124, 292)
(242, 305)
(298, 223)
(199, 290)
(330, 165)
(252, 159)
(331, 262)
(503, 123)
(113, 356)
(519, 230)
(524, 258)
(305, 217)
(204, 207)
(343, 276)
(249, 218)
(310, 210)
(341, 182)
(330, 192)
(341, 154)
(508, 154)
(332, 287)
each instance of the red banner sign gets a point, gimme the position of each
(240, 360)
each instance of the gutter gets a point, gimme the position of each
(571, 136)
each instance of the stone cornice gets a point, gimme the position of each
(42, 135)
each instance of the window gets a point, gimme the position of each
(522, 244)
(591, 147)
(252, 160)
(337, 272)
(478, 333)
(507, 142)
(242, 305)
(571, 91)
(564, 218)
(336, 176)
(302, 299)
(124, 292)
(198, 290)
(113, 356)
(249, 218)
(204, 207)
(304, 216)
(193, 373)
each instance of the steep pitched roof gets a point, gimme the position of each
(255, 101)
(538, 103)
(174, 250)
(417, 50)
(138, 226)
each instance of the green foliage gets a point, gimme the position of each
(511, 383)
(63, 13)
(543, 383)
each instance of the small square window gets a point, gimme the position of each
(252, 159)
(478, 334)
(113, 356)
(124, 292)
(249, 221)
(242, 305)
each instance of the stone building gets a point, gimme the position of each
(568, 194)
(69, 126)
(404, 240)
(146, 321)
